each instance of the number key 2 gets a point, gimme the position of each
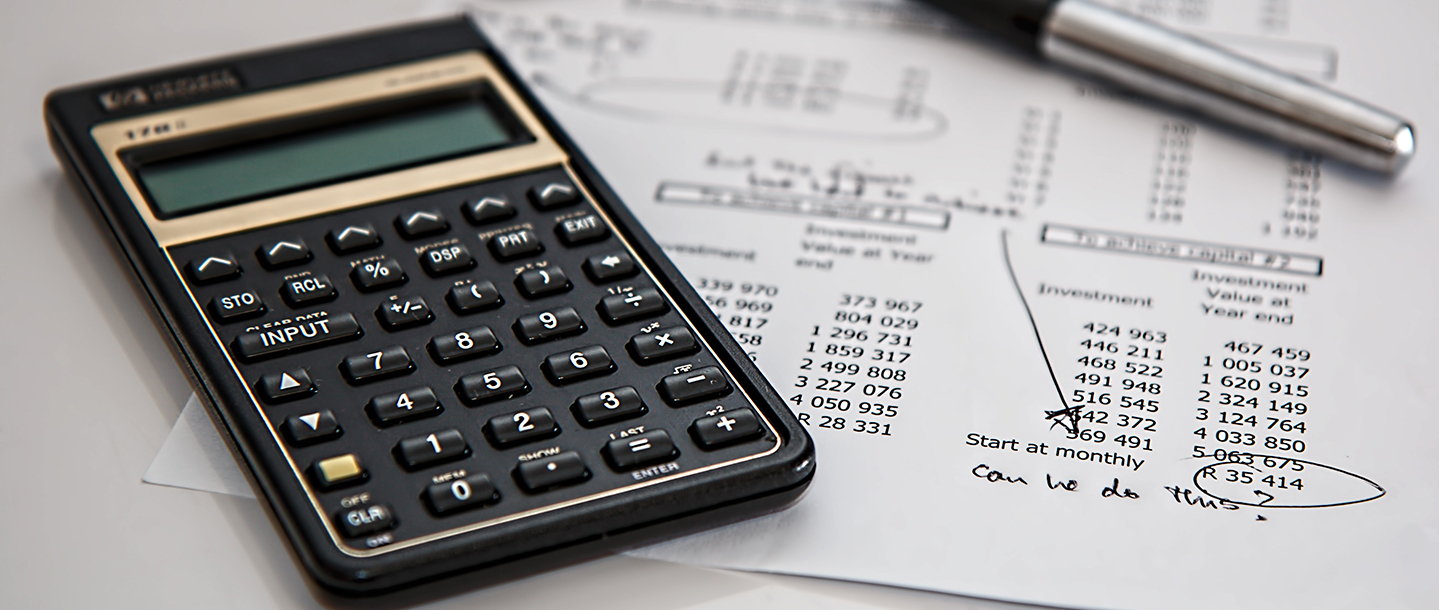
(520, 427)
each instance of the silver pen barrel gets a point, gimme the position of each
(1191, 73)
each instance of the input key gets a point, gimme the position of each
(301, 332)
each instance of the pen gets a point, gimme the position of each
(1160, 63)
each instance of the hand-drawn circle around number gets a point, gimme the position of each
(1379, 491)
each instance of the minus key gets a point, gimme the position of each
(698, 384)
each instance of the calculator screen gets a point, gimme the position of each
(271, 166)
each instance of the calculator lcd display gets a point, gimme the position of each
(197, 182)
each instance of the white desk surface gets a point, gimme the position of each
(91, 389)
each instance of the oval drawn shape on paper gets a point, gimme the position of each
(1271, 481)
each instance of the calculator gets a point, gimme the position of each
(437, 339)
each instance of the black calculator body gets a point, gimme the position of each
(434, 335)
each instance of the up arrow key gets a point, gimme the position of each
(553, 195)
(286, 385)
(287, 382)
(213, 268)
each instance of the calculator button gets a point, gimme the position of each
(632, 452)
(535, 283)
(238, 306)
(297, 335)
(497, 384)
(461, 494)
(547, 325)
(632, 305)
(574, 365)
(515, 244)
(308, 290)
(375, 275)
(464, 345)
(397, 314)
(311, 427)
(353, 238)
(443, 446)
(605, 267)
(449, 259)
(521, 427)
(471, 298)
(397, 407)
(486, 210)
(366, 519)
(387, 362)
(699, 384)
(581, 230)
(338, 470)
(553, 194)
(547, 473)
(662, 344)
(725, 428)
(216, 268)
(421, 223)
(608, 406)
(286, 385)
(284, 253)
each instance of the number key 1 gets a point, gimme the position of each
(443, 446)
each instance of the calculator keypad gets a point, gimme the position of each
(555, 370)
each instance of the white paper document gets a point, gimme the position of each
(1053, 345)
